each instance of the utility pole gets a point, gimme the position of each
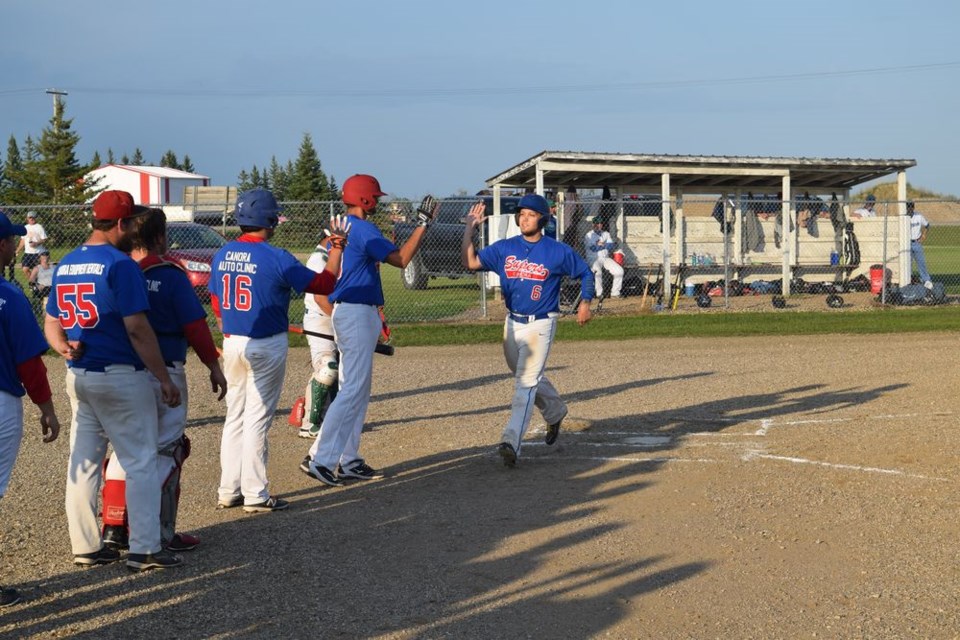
(56, 98)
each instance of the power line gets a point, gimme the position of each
(498, 90)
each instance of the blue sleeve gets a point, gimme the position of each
(293, 272)
(28, 340)
(378, 247)
(575, 267)
(187, 307)
(490, 258)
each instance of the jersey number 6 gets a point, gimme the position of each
(76, 306)
(242, 298)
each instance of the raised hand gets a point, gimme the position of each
(427, 210)
(338, 230)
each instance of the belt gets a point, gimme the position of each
(103, 368)
(524, 319)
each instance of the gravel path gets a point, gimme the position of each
(750, 488)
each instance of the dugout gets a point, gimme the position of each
(706, 204)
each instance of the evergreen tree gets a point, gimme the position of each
(279, 179)
(255, 179)
(169, 159)
(49, 171)
(244, 183)
(187, 164)
(308, 181)
(110, 158)
(137, 160)
(95, 162)
(61, 174)
(13, 163)
(125, 159)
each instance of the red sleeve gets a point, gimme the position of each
(322, 283)
(198, 337)
(33, 375)
(215, 305)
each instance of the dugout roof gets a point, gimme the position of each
(632, 172)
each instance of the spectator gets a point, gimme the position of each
(866, 211)
(599, 244)
(918, 233)
(41, 276)
(32, 244)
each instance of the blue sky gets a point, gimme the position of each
(437, 96)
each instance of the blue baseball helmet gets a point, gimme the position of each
(536, 203)
(257, 208)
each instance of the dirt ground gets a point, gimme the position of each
(701, 488)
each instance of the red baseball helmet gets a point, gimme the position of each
(361, 190)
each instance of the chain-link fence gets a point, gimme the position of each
(722, 247)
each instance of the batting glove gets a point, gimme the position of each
(427, 209)
(338, 231)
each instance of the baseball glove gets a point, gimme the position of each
(427, 209)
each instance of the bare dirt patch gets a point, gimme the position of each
(762, 487)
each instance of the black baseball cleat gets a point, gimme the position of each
(105, 555)
(358, 470)
(162, 559)
(508, 453)
(553, 430)
(268, 505)
(115, 537)
(321, 473)
(183, 542)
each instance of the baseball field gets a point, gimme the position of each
(742, 487)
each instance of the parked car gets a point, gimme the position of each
(193, 246)
(439, 254)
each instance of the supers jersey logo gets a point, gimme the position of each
(525, 269)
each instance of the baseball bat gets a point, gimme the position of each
(382, 349)
(646, 287)
(676, 293)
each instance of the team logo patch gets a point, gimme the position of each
(524, 269)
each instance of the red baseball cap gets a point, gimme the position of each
(116, 205)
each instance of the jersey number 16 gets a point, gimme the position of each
(239, 289)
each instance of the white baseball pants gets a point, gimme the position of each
(112, 406)
(615, 270)
(357, 329)
(11, 433)
(526, 347)
(172, 421)
(254, 369)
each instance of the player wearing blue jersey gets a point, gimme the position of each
(96, 318)
(21, 371)
(250, 286)
(531, 267)
(335, 453)
(178, 319)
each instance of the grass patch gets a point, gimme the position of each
(899, 320)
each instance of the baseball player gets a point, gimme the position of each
(531, 267)
(918, 233)
(21, 345)
(357, 326)
(178, 319)
(322, 387)
(32, 244)
(96, 318)
(250, 288)
(599, 244)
